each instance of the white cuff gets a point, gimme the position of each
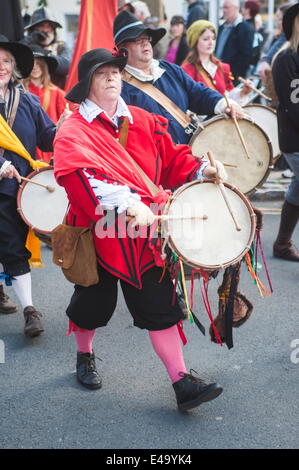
(199, 174)
(4, 166)
(112, 195)
(221, 106)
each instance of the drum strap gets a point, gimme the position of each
(179, 115)
(123, 135)
(12, 115)
(206, 76)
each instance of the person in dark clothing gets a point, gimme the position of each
(33, 127)
(178, 48)
(285, 70)
(234, 40)
(196, 11)
(42, 32)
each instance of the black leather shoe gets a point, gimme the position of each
(87, 373)
(191, 391)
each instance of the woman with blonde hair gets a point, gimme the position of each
(285, 72)
(202, 65)
(39, 83)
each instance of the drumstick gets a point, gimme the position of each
(255, 89)
(230, 165)
(49, 188)
(173, 217)
(223, 192)
(238, 128)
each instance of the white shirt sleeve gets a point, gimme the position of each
(112, 195)
(199, 174)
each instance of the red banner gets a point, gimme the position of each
(95, 30)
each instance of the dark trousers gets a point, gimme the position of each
(151, 307)
(14, 255)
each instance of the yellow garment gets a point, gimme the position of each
(33, 245)
(9, 141)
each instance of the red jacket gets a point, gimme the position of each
(222, 81)
(94, 146)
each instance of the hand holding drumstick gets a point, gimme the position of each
(223, 192)
(237, 127)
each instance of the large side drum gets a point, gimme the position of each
(210, 243)
(41, 209)
(266, 118)
(219, 136)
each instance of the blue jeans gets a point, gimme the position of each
(292, 194)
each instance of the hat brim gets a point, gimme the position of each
(288, 20)
(134, 32)
(80, 91)
(23, 56)
(51, 61)
(54, 23)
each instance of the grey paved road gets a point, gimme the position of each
(42, 406)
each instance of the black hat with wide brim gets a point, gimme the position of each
(22, 54)
(40, 53)
(89, 62)
(127, 27)
(40, 15)
(288, 20)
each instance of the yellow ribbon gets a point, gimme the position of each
(9, 141)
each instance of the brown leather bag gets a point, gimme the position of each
(74, 251)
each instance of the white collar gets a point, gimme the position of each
(155, 72)
(235, 23)
(90, 110)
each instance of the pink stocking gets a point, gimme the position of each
(84, 339)
(167, 344)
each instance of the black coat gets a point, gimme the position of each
(196, 11)
(237, 51)
(285, 72)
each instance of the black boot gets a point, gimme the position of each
(283, 246)
(87, 373)
(191, 391)
(6, 306)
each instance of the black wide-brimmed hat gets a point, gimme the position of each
(40, 15)
(127, 27)
(288, 20)
(22, 54)
(88, 64)
(40, 53)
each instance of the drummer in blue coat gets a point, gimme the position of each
(34, 128)
(170, 79)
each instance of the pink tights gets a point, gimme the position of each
(84, 340)
(167, 344)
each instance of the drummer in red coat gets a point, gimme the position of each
(202, 65)
(99, 175)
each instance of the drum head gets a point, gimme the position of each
(39, 208)
(220, 137)
(266, 118)
(213, 243)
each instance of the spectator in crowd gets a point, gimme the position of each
(285, 69)
(42, 32)
(125, 5)
(202, 65)
(235, 39)
(274, 43)
(196, 11)
(141, 11)
(250, 10)
(39, 83)
(178, 47)
(159, 86)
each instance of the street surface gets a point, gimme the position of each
(42, 405)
